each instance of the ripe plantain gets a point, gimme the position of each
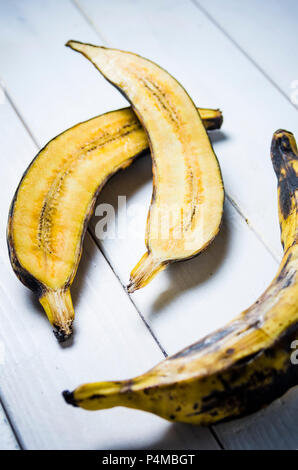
(52, 205)
(242, 366)
(187, 202)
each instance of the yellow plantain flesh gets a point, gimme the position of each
(187, 202)
(52, 205)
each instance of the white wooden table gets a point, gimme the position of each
(239, 56)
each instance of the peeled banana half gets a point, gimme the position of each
(52, 205)
(241, 367)
(187, 201)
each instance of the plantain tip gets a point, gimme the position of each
(219, 118)
(281, 133)
(61, 336)
(144, 272)
(283, 146)
(70, 43)
(220, 121)
(69, 398)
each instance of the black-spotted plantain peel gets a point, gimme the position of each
(241, 367)
(53, 203)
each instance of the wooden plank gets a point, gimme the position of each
(111, 341)
(176, 312)
(266, 31)
(134, 248)
(34, 58)
(7, 438)
(177, 35)
(240, 268)
(274, 428)
(192, 298)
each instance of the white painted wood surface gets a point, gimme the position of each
(266, 31)
(253, 109)
(7, 437)
(52, 88)
(111, 341)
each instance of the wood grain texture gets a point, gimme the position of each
(110, 340)
(252, 111)
(7, 438)
(52, 89)
(266, 31)
(192, 298)
(213, 71)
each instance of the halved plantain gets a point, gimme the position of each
(187, 202)
(52, 205)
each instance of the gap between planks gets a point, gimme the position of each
(197, 4)
(235, 206)
(19, 116)
(232, 202)
(238, 209)
(18, 440)
(246, 57)
(27, 129)
(125, 290)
